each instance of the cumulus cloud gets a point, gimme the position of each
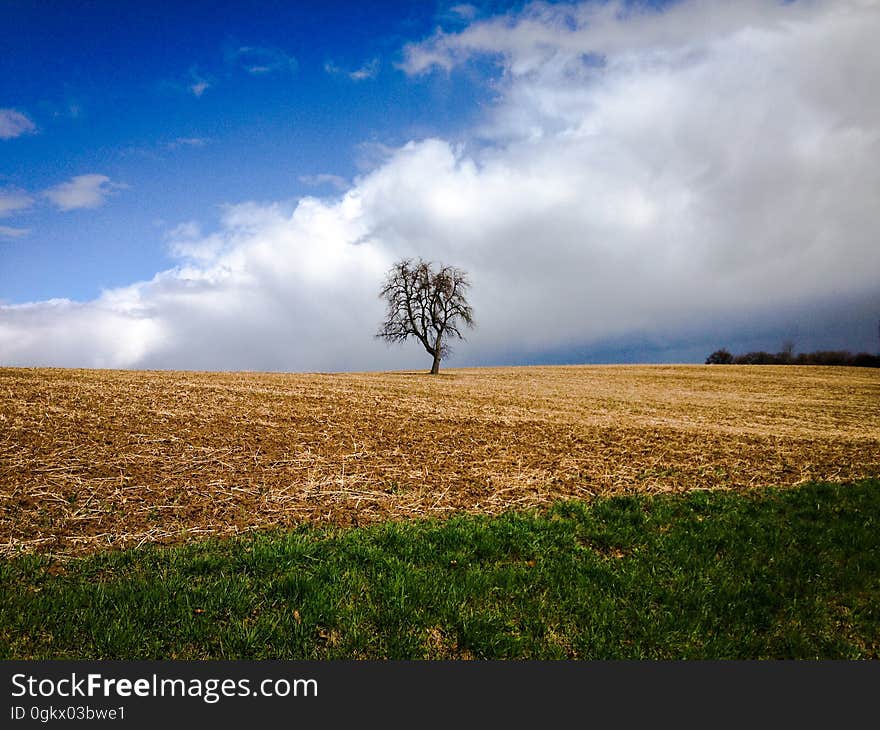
(545, 36)
(82, 191)
(266, 275)
(641, 174)
(14, 124)
(186, 241)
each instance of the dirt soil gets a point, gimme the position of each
(93, 459)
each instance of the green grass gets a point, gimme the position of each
(777, 573)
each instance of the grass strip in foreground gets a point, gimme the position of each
(791, 573)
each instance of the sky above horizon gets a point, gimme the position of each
(223, 186)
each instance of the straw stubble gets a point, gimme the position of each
(94, 459)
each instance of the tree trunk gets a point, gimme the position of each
(435, 367)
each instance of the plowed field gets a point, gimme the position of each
(95, 459)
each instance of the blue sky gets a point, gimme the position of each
(222, 185)
(112, 89)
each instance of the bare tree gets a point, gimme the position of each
(427, 304)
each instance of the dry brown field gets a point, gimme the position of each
(95, 459)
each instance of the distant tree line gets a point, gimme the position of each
(787, 357)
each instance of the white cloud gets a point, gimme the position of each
(261, 60)
(186, 142)
(119, 336)
(544, 36)
(372, 154)
(340, 183)
(11, 232)
(185, 241)
(368, 71)
(198, 84)
(14, 124)
(12, 201)
(464, 10)
(639, 173)
(188, 230)
(82, 191)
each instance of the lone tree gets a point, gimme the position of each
(426, 303)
